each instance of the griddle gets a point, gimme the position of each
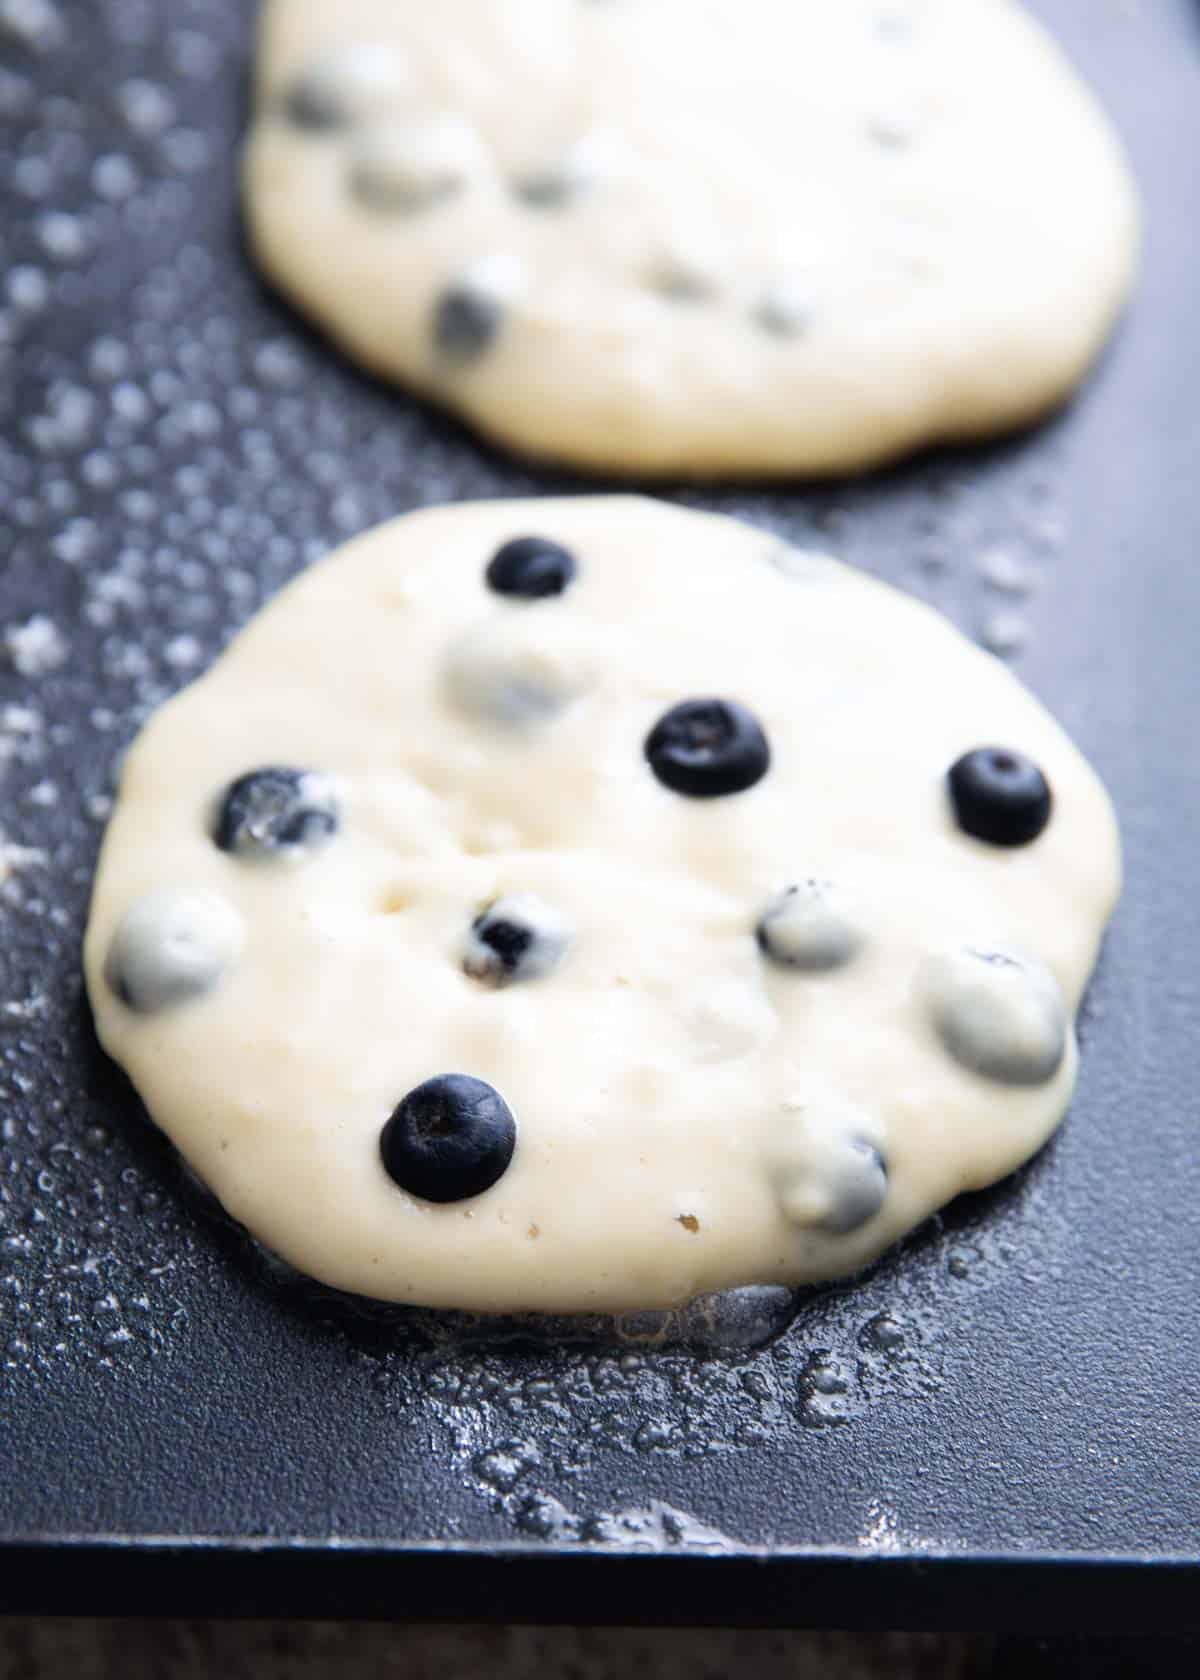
(997, 1427)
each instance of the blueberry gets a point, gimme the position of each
(784, 312)
(387, 188)
(708, 748)
(338, 90)
(998, 1014)
(564, 179)
(840, 1180)
(807, 927)
(449, 1139)
(514, 939)
(531, 568)
(683, 273)
(511, 674)
(859, 1186)
(313, 104)
(508, 941)
(170, 948)
(550, 190)
(1000, 796)
(276, 810)
(404, 168)
(466, 320)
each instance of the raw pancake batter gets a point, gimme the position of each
(645, 236)
(587, 904)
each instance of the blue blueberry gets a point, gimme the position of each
(276, 811)
(708, 748)
(1000, 796)
(449, 1139)
(531, 568)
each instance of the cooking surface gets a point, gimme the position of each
(1019, 1379)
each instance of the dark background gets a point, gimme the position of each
(173, 446)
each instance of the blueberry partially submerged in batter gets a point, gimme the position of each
(505, 673)
(515, 939)
(345, 85)
(1000, 796)
(466, 319)
(550, 189)
(172, 947)
(784, 312)
(314, 104)
(859, 1188)
(807, 926)
(414, 165)
(708, 748)
(276, 811)
(837, 1181)
(531, 568)
(999, 1014)
(449, 1139)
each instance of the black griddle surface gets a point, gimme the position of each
(1017, 1445)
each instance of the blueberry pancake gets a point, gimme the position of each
(694, 236)
(586, 904)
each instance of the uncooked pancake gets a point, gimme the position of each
(690, 236)
(587, 904)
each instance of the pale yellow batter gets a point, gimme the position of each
(750, 1035)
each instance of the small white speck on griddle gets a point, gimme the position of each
(35, 647)
(36, 25)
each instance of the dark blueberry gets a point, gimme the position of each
(450, 1138)
(1000, 796)
(516, 938)
(276, 810)
(531, 568)
(466, 319)
(708, 748)
(860, 1188)
(509, 940)
(312, 103)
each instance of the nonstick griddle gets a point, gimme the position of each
(998, 1427)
